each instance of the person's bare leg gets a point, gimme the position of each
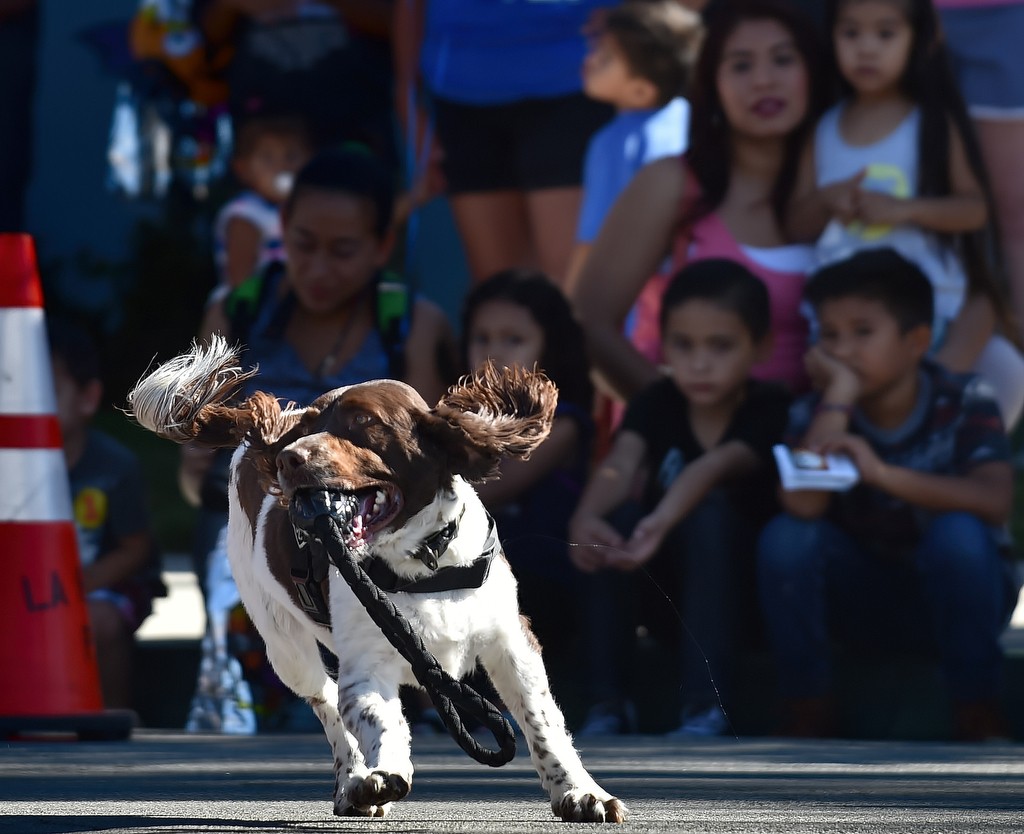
(114, 647)
(1001, 144)
(553, 214)
(494, 231)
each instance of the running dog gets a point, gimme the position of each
(406, 470)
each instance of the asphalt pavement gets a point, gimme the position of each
(164, 782)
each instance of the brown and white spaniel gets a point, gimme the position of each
(407, 470)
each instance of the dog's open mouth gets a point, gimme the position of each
(360, 514)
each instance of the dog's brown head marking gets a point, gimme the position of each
(380, 440)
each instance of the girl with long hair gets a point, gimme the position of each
(895, 163)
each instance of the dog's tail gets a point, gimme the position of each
(185, 398)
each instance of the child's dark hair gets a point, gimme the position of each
(564, 358)
(929, 81)
(250, 129)
(709, 153)
(74, 347)
(726, 284)
(880, 275)
(348, 169)
(660, 40)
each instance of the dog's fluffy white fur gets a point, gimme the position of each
(347, 439)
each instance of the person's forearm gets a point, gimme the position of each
(634, 239)
(952, 214)
(806, 218)
(407, 34)
(607, 489)
(968, 334)
(990, 498)
(620, 369)
(116, 566)
(718, 465)
(833, 412)
(831, 418)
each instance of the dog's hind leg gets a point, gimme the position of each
(514, 664)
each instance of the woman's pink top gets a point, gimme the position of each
(710, 238)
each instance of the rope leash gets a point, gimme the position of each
(453, 699)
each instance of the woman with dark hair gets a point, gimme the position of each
(755, 94)
(518, 317)
(329, 316)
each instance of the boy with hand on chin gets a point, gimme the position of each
(915, 555)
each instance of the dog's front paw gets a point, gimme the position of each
(580, 806)
(345, 809)
(371, 795)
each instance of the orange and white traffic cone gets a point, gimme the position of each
(47, 655)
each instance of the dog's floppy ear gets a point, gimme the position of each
(489, 415)
(268, 429)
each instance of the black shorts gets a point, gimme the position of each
(523, 146)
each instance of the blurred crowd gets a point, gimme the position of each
(745, 238)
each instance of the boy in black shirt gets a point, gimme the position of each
(702, 438)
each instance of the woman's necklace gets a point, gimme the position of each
(339, 342)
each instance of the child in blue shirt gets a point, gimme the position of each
(640, 63)
(117, 548)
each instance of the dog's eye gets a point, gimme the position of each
(361, 419)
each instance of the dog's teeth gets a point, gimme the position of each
(380, 500)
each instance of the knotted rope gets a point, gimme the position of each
(452, 698)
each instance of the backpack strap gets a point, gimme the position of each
(393, 319)
(244, 302)
(392, 311)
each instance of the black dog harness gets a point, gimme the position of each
(319, 518)
(311, 563)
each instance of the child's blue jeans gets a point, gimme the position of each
(952, 596)
(697, 576)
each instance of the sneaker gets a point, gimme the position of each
(610, 718)
(701, 722)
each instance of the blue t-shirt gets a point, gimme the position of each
(108, 499)
(499, 51)
(108, 496)
(620, 149)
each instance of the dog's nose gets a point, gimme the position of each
(291, 459)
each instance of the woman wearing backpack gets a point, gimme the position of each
(325, 319)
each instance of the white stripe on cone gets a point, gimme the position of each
(26, 382)
(35, 485)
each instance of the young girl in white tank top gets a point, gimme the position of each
(896, 164)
